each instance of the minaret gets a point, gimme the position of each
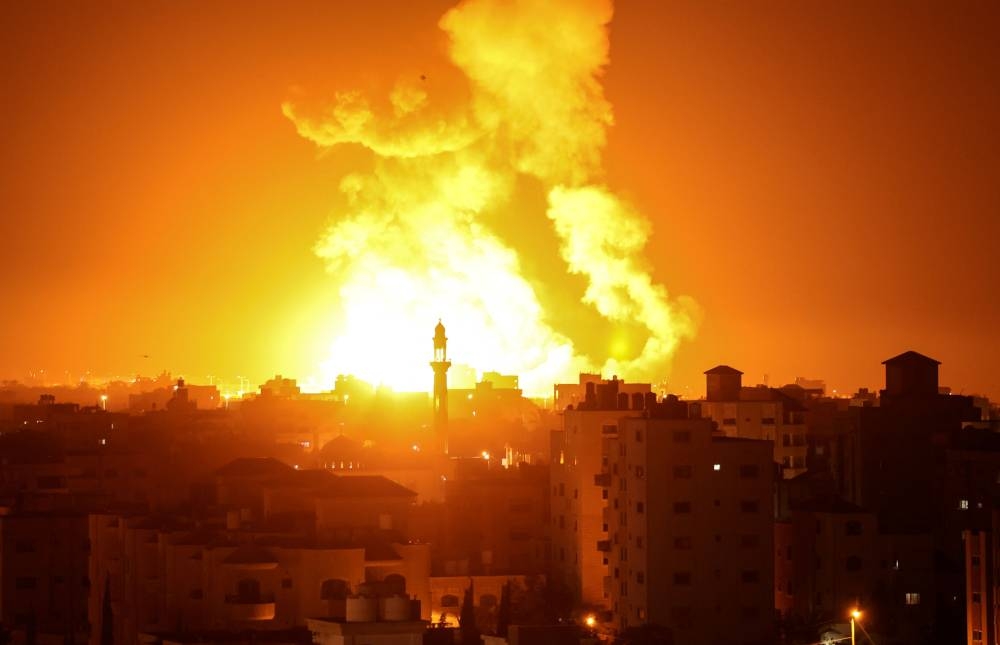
(440, 365)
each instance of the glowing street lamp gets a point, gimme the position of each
(104, 402)
(855, 615)
(590, 621)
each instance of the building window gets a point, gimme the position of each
(853, 528)
(749, 471)
(682, 472)
(24, 546)
(963, 504)
(716, 467)
(729, 421)
(24, 583)
(640, 577)
(682, 578)
(195, 594)
(749, 506)
(638, 436)
(749, 540)
(640, 507)
(682, 507)
(750, 575)
(683, 542)
(767, 421)
(853, 563)
(286, 583)
(682, 436)
(975, 560)
(976, 598)
(977, 635)
(914, 599)
(449, 600)
(638, 542)
(640, 472)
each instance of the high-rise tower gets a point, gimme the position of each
(440, 365)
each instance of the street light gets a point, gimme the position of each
(855, 615)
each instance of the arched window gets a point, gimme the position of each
(395, 584)
(334, 589)
(449, 600)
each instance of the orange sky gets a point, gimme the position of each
(823, 178)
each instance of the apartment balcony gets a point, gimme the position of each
(246, 607)
(603, 480)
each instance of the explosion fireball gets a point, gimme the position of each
(426, 233)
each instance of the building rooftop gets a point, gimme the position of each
(910, 357)
(364, 486)
(254, 467)
(250, 554)
(723, 369)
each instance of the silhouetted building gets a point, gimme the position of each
(577, 506)
(757, 413)
(44, 582)
(690, 518)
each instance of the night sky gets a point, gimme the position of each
(822, 178)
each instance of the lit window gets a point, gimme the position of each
(717, 467)
(912, 599)
(963, 504)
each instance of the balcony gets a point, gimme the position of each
(251, 607)
(603, 480)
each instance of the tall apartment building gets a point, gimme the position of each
(690, 519)
(577, 505)
(757, 413)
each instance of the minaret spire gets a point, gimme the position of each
(440, 365)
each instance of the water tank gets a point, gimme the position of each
(396, 608)
(361, 609)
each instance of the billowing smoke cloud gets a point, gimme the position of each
(415, 242)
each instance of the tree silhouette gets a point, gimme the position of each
(467, 618)
(503, 613)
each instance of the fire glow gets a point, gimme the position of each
(418, 240)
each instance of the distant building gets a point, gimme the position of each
(757, 413)
(282, 545)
